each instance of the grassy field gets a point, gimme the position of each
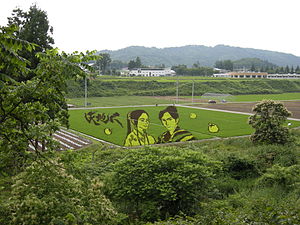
(140, 100)
(118, 101)
(229, 124)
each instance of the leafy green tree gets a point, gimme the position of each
(33, 26)
(135, 64)
(103, 62)
(267, 121)
(224, 64)
(157, 183)
(131, 65)
(32, 110)
(287, 69)
(138, 62)
(117, 64)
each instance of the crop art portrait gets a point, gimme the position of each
(149, 125)
(131, 127)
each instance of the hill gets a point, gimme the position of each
(205, 56)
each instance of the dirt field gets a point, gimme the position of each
(292, 106)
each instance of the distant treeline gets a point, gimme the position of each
(195, 71)
(100, 88)
(256, 65)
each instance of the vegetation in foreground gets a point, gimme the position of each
(220, 182)
(230, 181)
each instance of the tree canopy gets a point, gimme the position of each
(32, 110)
(268, 123)
(33, 26)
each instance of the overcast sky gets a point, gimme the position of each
(114, 24)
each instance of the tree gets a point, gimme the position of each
(103, 61)
(225, 64)
(135, 64)
(268, 123)
(297, 70)
(287, 69)
(138, 62)
(32, 110)
(131, 65)
(33, 26)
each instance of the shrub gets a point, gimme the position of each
(172, 179)
(286, 177)
(47, 194)
(239, 168)
(268, 123)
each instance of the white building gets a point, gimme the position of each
(152, 72)
(242, 75)
(284, 76)
(257, 75)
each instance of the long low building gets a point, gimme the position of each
(257, 75)
(152, 72)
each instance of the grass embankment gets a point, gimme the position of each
(127, 87)
(140, 100)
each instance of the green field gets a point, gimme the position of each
(118, 101)
(229, 124)
(143, 100)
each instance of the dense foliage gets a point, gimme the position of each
(32, 26)
(267, 121)
(215, 182)
(32, 109)
(156, 183)
(44, 193)
(183, 70)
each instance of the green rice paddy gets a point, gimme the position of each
(114, 128)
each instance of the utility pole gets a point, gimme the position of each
(193, 86)
(177, 91)
(99, 69)
(85, 91)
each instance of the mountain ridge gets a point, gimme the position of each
(204, 55)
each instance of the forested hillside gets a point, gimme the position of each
(205, 56)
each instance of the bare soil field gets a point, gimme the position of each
(292, 106)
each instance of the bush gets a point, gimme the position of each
(268, 123)
(47, 194)
(171, 179)
(239, 168)
(286, 177)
